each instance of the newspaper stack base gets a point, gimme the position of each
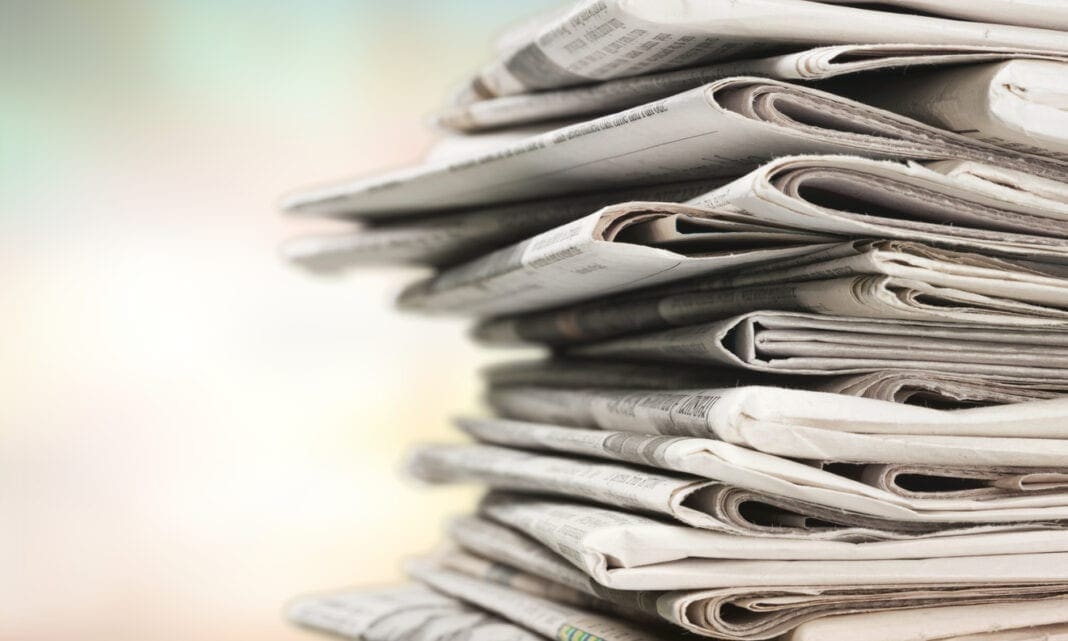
(799, 271)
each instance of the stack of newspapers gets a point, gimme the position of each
(799, 273)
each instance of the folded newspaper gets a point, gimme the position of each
(943, 390)
(603, 39)
(1011, 98)
(643, 244)
(902, 386)
(721, 129)
(857, 197)
(1047, 14)
(714, 505)
(1017, 104)
(548, 618)
(455, 237)
(942, 482)
(822, 345)
(628, 551)
(1033, 621)
(773, 493)
(811, 425)
(880, 279)
(820, 63)
(485, 568)
(615, 249)
(415, 612)
(730, 613)
(402, 614)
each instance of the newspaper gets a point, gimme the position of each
(1045, 14)
(725, 128)
(487, 568)
(603, 39)
(966, 482)
(490, 540)
(689, 500)
(811, 425)
(627, 551)
(941, 389)
(1004, 182)
(858, 197)
(547, 618)
(608, 483)
(617, 248)
(880, 279)
(504, 546)
(832, 195)
(452, 238)
(756, 477)
(1019, 104)
(901, 386)
(1052, 632)
(1044, 620)
(406, 613)
(562, 371)
(821, 345)
(883, 297)
(731, 613)
(820, 63)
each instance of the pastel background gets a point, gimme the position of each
(192, 432)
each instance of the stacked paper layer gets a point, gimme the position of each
(799, 271)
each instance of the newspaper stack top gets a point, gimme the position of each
(799, 274)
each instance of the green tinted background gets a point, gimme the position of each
(193, 432)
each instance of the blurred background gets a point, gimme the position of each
(192, 432)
